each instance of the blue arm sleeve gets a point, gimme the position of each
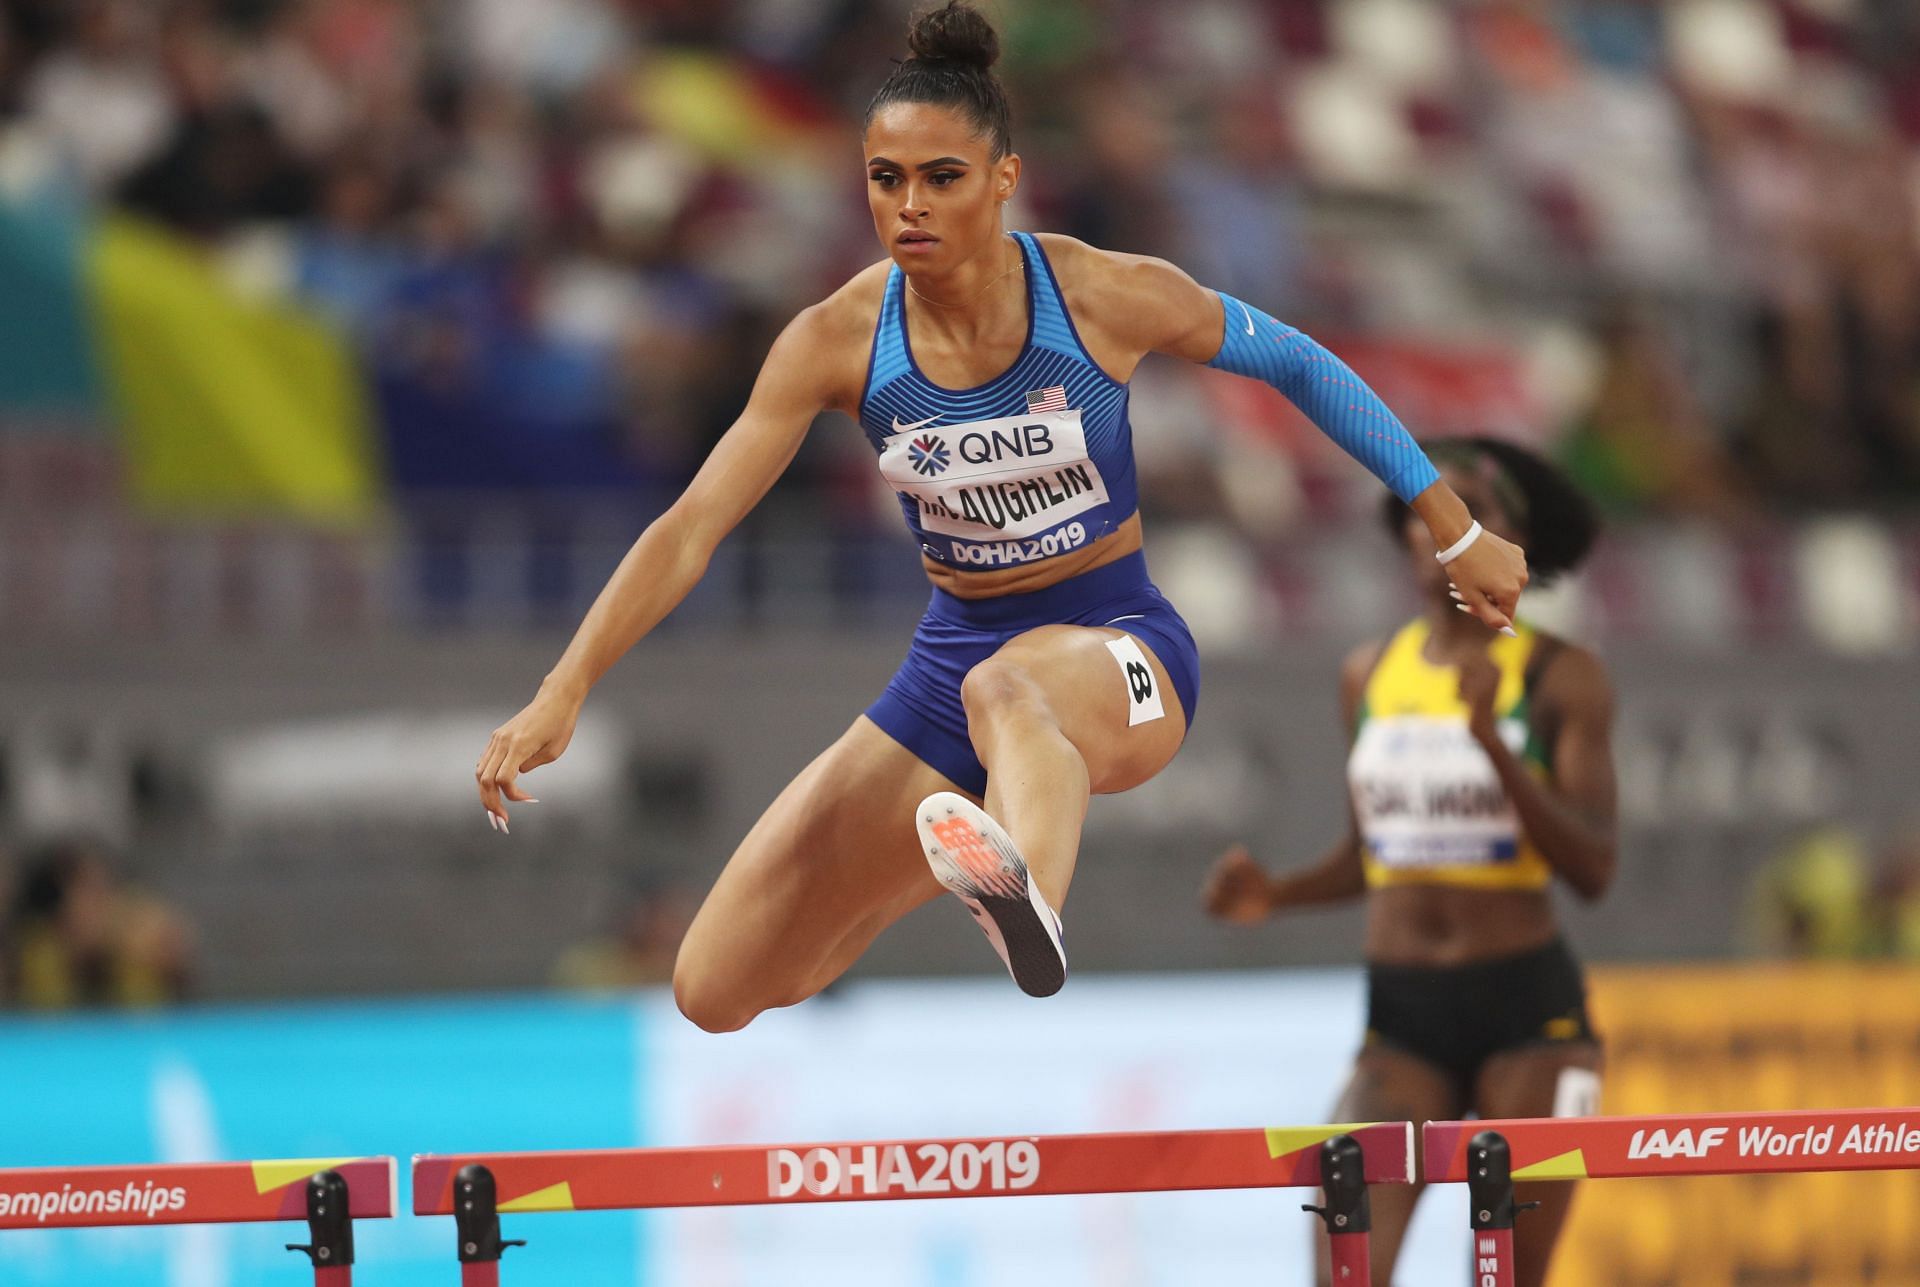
(1328, 391)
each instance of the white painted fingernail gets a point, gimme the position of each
(1456, 595)
(529, 800)
(492, 821)
(503, 828)
(1464, 608)
(1509, 632)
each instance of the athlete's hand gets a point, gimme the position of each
(1237, 890)
(1487, 579)
(1479, 685)
(537, 735)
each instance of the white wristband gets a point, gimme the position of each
(1459, 547)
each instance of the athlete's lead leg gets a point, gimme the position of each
(1038, 784)
(1049, 717)
(1048, 714)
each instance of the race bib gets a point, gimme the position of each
(1426, 794)
(995, 480)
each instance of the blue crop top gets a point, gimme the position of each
(1033, 463)
(1039, 460)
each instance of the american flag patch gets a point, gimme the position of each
(1051, 399)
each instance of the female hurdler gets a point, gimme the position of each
(989, 370)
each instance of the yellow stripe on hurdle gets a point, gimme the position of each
(1566, 1166)
(1282, 1140)
(268, 1176)
(555, 1197)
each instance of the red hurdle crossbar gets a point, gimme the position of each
(477, 1188)
(328, 1193)
(1488, 1156)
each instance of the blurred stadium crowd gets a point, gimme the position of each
(1676, 240)
(1679, 243)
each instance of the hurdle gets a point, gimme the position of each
(328, 1193)
(477, 1188)
(1489, 1156)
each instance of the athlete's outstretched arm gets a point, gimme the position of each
(670, 557)
(1171, 313)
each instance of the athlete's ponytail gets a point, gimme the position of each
(1558, 524)
(953, 52)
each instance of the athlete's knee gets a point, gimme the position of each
(719, 1000)
(711, 1011)
(1000, 686)
(708, 1001)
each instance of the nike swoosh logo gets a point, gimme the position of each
(1249, 313)
(918, 424)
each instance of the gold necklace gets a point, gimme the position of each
(1012, 268)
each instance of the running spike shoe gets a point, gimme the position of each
(974, 858)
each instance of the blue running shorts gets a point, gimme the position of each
(920, 708)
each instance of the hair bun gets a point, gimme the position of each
(955, 33)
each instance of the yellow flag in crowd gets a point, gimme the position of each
(230, 405)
